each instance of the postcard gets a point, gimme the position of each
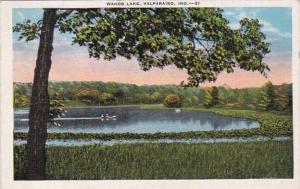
(150, 94)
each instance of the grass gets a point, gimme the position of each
(272, 159)
(271, 125)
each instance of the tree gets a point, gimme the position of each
(268, 97)
(198, 40)
(222, 98)
(20, 100)
(284, 97)
(208, 98)
(88, 96)
(215, 96)
(290, 97)
(211, 97)
(194, 100)
(240, 101)
(120, 95)
(106, 98)
(231, 96)
(281, 100)
(39, 103)
(57, 109)
(172, 101)
(156, 97)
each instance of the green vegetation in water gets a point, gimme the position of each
(271, 125)
(272, 159)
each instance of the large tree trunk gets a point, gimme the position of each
(39, 103)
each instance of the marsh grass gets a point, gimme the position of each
(272, 159)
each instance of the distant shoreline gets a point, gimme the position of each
(109, 106)
(225, 85)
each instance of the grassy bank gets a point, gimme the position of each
(273, 159)
(271, 125)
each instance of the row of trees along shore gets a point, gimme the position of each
(268, 97)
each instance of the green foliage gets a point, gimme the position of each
(271, 124)
(99, 93)
(28, 30)
(20, 100)
(211, 97)
(88, 96)
(106, 98)
(268, 97)
(250, 36)
(193, 100)
(156, 97)
(172, 101)
(222, 99)
(290, 96)
(57, 109)
(22, 92)
(272, 159)
(208, 98)
(120, 94)
(215, 96)
(281, 100)
(198, 40)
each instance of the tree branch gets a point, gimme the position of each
(205, 48)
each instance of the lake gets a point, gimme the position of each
(136, 120)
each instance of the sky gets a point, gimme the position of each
(72, 63)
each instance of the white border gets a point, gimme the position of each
(6, 113)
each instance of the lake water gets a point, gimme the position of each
(135, 120)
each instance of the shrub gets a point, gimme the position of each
(172, 101)
(21, 101)
(57, 109)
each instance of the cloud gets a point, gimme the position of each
(240, 13)
(248, 14)
(272, 39)
(20, 16)
(228, 13)
(268, 27)
(234, 25)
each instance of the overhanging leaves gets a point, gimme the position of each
(198, 40)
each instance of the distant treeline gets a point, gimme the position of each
(268, 97)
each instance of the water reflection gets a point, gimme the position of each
(136, 120)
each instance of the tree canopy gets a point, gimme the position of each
(198, 40)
